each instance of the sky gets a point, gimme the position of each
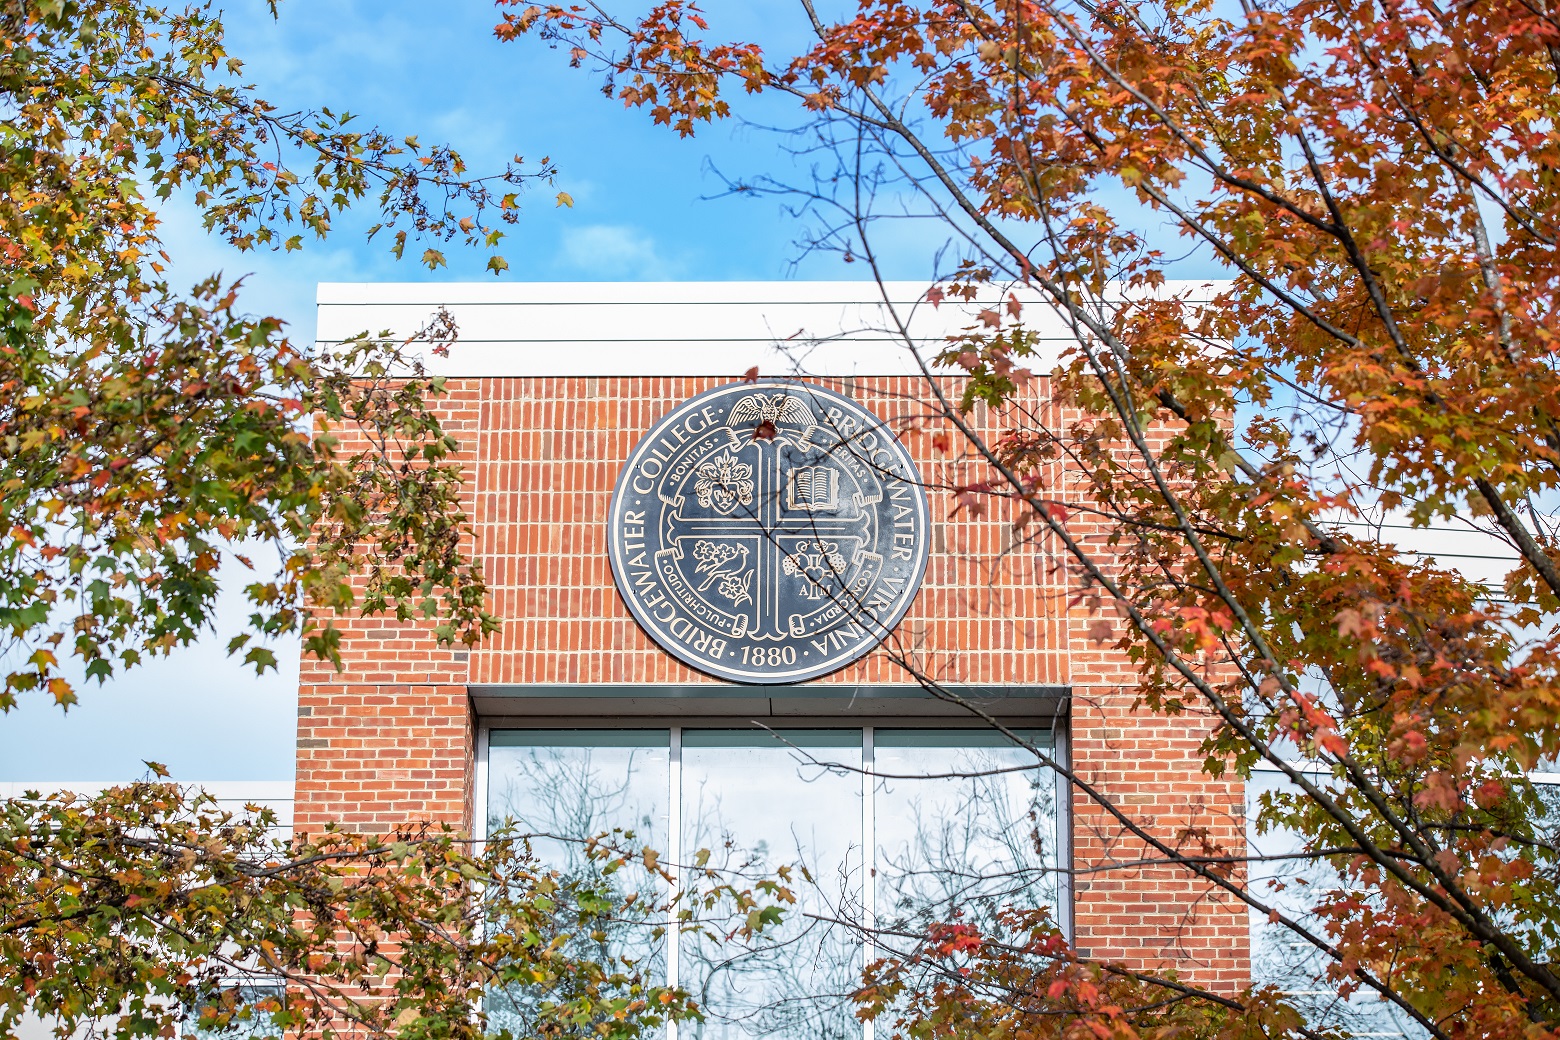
(647, 206)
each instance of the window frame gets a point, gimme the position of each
(674, 723)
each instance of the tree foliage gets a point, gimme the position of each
(1374, 183)
(149, 430)
(147, 433)
(147, 909)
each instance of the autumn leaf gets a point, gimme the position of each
(971, 500)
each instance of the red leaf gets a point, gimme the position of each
(764, 431)
(968, 499)
(751, 375)
(1350, 623)
(1330, 742)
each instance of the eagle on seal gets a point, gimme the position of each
(776, 408)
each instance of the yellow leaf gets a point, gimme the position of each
(565, 199)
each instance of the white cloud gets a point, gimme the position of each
(614, 251)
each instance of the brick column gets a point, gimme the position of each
(374, 756)
(1127, 908)
(390, 738)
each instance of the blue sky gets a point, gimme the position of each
(433, 69)
(643, 205)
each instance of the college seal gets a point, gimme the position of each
(768, 532)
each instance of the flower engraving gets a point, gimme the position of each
(735, 588)
(727, 564)
(724, 483)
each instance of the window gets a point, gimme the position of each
(959, 822)
(251, 1001)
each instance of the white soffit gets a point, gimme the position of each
(1471, 548)
(834, 329)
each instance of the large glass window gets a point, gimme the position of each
(1278, 957)
(959, 823)
(757, 804)
(1294, 886)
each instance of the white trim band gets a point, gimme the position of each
(541, 329)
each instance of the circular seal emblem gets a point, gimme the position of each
(768, 532)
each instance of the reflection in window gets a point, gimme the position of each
(756, 804)
(966, 826)
(1280, 958)
(1547, 787)
(565, 787)
(963, 825)
(251, 1002)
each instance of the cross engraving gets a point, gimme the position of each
(771, 531)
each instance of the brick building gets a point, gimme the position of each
(575, 716)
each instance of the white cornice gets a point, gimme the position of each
(833, 329)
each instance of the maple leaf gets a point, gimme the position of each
(1350, 623)
(970, 499)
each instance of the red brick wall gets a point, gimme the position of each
(1127, 907)
(373, 755)
(391, 738)
(549, 452)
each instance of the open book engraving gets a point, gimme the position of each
(813, 488)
